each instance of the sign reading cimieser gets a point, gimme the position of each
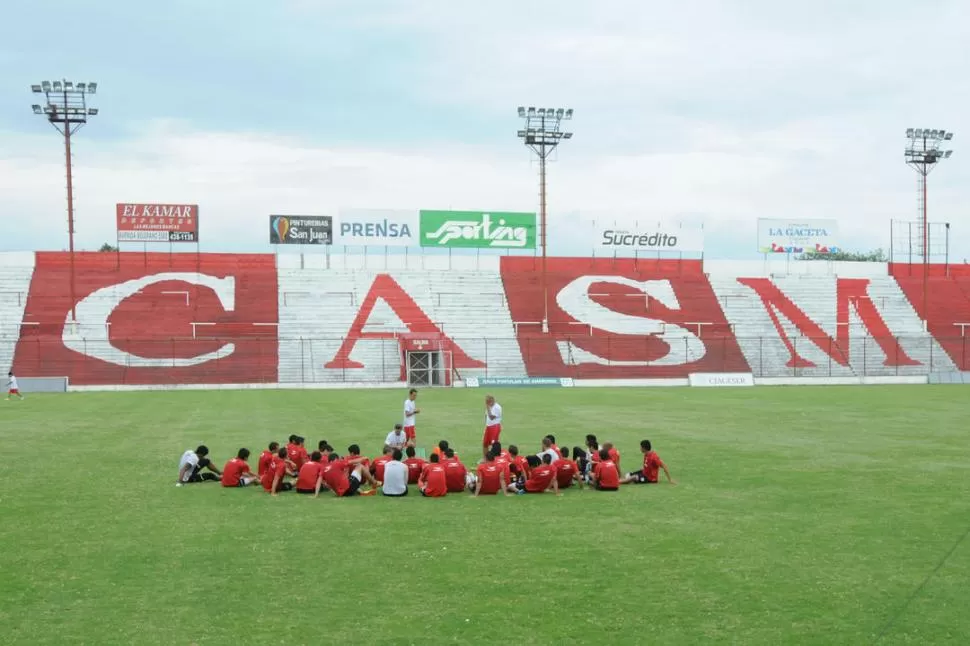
(720, 379)
(300, 229)
(643, 238)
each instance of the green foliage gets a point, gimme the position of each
(876, 255)
(803, 515)
(106, 247)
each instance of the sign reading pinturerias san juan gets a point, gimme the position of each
(300, 229)
(478, 229)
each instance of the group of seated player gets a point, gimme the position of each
(502, 470)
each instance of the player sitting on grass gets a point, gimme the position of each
(548, 449)
(455, 472)
(296, 452)
(440, 449)
(344, 476)
(606, 477)
(433, 482)
(236, 473)
(310, 479)
(552, 441)
(567, 471)
(614, 454)
(395, 483)
(377, 466)
(652, 464)
(353, 453)
(415, 465)
(519, 465)
(542, 478)
(396, 439)
(266, 457)
(272, 478)
(191, 465)
(490, 478)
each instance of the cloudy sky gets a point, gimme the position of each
(713, 112)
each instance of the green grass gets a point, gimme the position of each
(803, 516)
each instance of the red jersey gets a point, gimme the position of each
(607, 474)
(651, 466)
(541, 479)
(556, 449)
(435, 481)
(615, 456)
(364, 462)
(324, 458)
(264, 459)
(297, 454)
(566, 470)
(233, 472)
(488, 475)
(378, 466)
(415, 467)
(276, 467)
(307, 480)
(335, 475)
(521, 465)
(455, 473)
(503, 461)
(594, 455)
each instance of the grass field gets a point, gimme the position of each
(803, 516)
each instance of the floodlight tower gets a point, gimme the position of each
(923, 154)
(66, 108)
(542, 134)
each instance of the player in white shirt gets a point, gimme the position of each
(410, 410)
(191, 465)
(395, 476)
(13, 388)
(493, 424)
(396, 439)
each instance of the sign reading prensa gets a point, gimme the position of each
(797, 236)
(157, 222)
(478, 229)
(620, 240)
(300, 229)
(376, 228)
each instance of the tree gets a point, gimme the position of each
(876, 255)
(107, 248)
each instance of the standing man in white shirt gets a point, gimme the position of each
(395, 476)
(493, 424)
(396, 439)
(410, 410)
(13, 388)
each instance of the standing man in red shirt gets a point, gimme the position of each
(377, 466)
(410, 411)
(455, 472)
(415, 465)
(542, 479)
(266, 457)
(272, 478)
(652, 464)
(433, 482)
(567, 471)
(493, 424)
(490, 478)
(606, 477)
(236, 473)
(310, 479)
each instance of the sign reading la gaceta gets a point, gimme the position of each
(380, 228)
(797, 236)
(646, 238)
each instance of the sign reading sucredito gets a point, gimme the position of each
(478, 229)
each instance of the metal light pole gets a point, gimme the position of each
(67, 110)
(923, 154)
(542, 134)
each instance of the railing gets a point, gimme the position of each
(304, 360)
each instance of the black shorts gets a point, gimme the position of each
(354, 487)
(305, 491)
(395, 495)
(638, 477)
(602, 488)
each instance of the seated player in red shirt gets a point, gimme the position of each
(520, 465)
(490, 478)
(310, 479)
(440, 449)
(567, 471)
(542, 479)
(297, 452)
(344, 476)
(272, 478)
(503, 459)
(353, 453)
(455, 472)
(614, 454)
(377, 466)
(652, 464)
(266, 457)
(236, 473)
(415, 465)
(552, 444)
(433, 482)
(606, 477)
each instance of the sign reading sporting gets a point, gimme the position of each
(797, 236)
(478, 229)
(376, 228)
(300, 229)
(157, 222)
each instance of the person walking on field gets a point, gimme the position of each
(410, 410)
(13, 388)
(493, 424)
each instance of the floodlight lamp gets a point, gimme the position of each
(37, 109)
(57, 86)
(569, 113)
(550, 112)
(542, 112)
(909, 132)
(521, 111)
(92, 88)
(35, 88)
(947, 155)
(567, 135)
(93, 111)
(46, 86)
(69, 86)
(919, 132)
(532, 111)
(948, 136)
(82, 87)
(521, 133)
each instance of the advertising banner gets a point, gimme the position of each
(376, 228)
(720, 379)
(483, 382)
(478, 229)
(300, 229)
(626, 240)
(157, 222)
(797, 236)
